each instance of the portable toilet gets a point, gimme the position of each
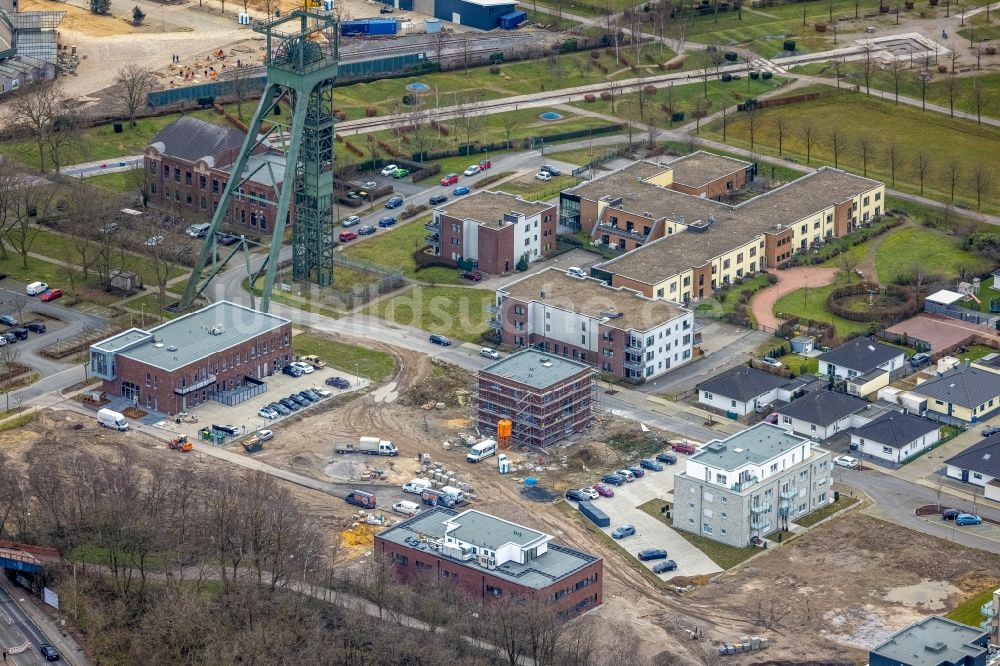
(432, 25)
(503, 462)
(244, 19)
(328, 5)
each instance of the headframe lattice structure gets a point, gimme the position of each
(302, 64)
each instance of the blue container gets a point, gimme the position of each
(354, 28)
(432, 25)
(512, 20)
(531, 481)
(595, 515)
(382, 26)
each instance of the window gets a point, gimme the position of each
(878, 196)
(708, 497)
(706, 528)
(708, 396)
(708, 513)
(723, 531)
(887, 449)
(723, 515)
(977, 476)
(732, 403)
(725, 499)
(401, 560)
(422, 566)
(659, 293)
(494, 591)
(787, 420)
(721, 479)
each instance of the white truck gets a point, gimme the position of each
(482, 450)
(111, 419)
(417, 486)
(372, 446)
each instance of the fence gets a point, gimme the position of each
(963, 314)
(232, 397)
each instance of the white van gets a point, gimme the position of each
(112, 419)
(454, 493)
(483, 449)
(575, 271)
(406, 508)
(417, 486)
(36, 288)
(198, 230)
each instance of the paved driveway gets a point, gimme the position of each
(650, 532)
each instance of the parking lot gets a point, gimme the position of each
(650, 532)
(244, 416)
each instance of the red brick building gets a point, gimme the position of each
(223, 352)
(490, 558)
(492, 231)
(190, 161)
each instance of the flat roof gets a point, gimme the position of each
(933, 641)
(537, 369)
(757, 444)
(188, 339)
(701, 168)
(621, 308)
(482, 529)
(555, 564)
(488, 208)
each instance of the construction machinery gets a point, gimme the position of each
(181, 444)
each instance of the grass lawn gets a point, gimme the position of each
(977, 29)
(303, 303)
(54, 245)
(101, 142)
(395, 250)
(976, 352)
(968, 611)
(801, 365)
(19, 421)
(114, 182)
(940, 137)
(810, 303)
(903, 249)
(375, 365)
(725, 556)
(532, 189)
(814, 517)
(456, 312)
(552, 19)
(150, 305)
(581, 156)
(91, 554)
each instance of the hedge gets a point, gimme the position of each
(888, 315)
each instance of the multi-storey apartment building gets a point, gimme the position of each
(492, 231)
(750, 484)
(680, 246)
(490, 558)
(618, 330)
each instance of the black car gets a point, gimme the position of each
(394, 202)
(652, 554)
(226, 239)
(303, 394)
(990, 430)
(636, 471)
(437, 199)
(576, 495)
(668, 458)
(49, 652)
(338, 382)
(21, 333)
(312, 395)
(290, 405)
(291, 371)
(664, 566)
(551, 170)
(37, 326)
(613, 479)
(9, 337)
(278, 407)
(3, 276)
(440, 340)
(299, 400)
(9, 320)
(950, 514)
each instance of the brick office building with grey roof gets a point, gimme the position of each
(491, 558)
(222, 352)
(189, 162)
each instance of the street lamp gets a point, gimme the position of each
(357, 376)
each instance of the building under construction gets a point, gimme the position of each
(545, 397)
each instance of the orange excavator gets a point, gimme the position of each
(181, 444)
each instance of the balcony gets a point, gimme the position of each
(618, 231)
(184, 390)
(763, 507)
(988, 610)
(431, 226)
(494, 323)
(761, 528)
(431, 238)
(635, 345)
(789, 494)
(740, 486)
(493, 307)
(633, 364)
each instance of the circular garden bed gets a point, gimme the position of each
(856, 303)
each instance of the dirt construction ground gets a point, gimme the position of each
(835, 584)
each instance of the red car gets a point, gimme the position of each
(485, 164)
(475, 276)
(52, 294)
(347, 236)
(450, 179)
(683, 447)
(603, 490)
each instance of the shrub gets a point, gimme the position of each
(371, 111)
(606, 96)
(772, 278)
(649, 90)
(589, 98)
(138, 16)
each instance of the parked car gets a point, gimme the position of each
(306, 368)
(346, 236)
(338, 382)
(299, 400)
(543, 175)
(576, 271)
(440, 340)
(449, 179)
(279, 408)
(352, 221)
(460, 190)
(652, 554)
(613, 479)
(664, 566)
(19, 332)
(9, 338)
(265, 435)
(3, 276)
(647, 463)
(292, 371)
(472, 170)
(968, 519)
(603, 490)
(305, 395)
(226, 239)
(590, 493)
(36, 288)
(846, 461)
(51, 295)
(950, 514)
(437, 199)
(320, 391)
(366, 230)
(551, 170)
(486, 352)
(623, 531)
(361, 498)
(400, 173)
(35, 326)
(991, 430)
(577, 495)
(49, 652)
(3, 341)
(370, 185)
(290, 405)
(394, 202)
(485, 164)
(918, 360)
(626, 474)
(388, 171)
(475, 276)
(386, 222)
(637, 471)
(771, 418)
(771, 361)
(267, 413)
(666, 458)
(683, 447)
(8, 320)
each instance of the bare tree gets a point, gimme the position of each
(809, 135)
(753, 123)
(8, 364)
(242, 88)
(160, 256)
(866, 151)
(868, 68)
(838, 144)
(838, 68)
(782, 128)
(896, 69)
(701, 108)
(651, 133)
(925, 83)
(30, 201)
(982, 182)
(466, 49)
(978, 98)
(724, 117)
(922, 165)
(44, 112)
(268, 7)
(508, 122)
(642, 97)
(670, 104)
(613, 89)
(953, 172)
(9, 179)
(132, 83)
(951, 88)
(893, 157)
(847, 262)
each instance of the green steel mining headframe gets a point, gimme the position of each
(301, 60)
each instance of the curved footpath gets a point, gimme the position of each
(762, 304)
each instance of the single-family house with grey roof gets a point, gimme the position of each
(965, 393)
(896, 436)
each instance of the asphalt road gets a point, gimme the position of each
(18, 630)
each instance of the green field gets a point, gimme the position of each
(150, 305)
(977, 29)
(394, 250)
(532, 189)
(456, 312)
(814, 517)
(550, 19)
(810, 303)
(114, 182)
(375, 365)
(968, 611)
(941, 138)
(939, 254)
(55, 245)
